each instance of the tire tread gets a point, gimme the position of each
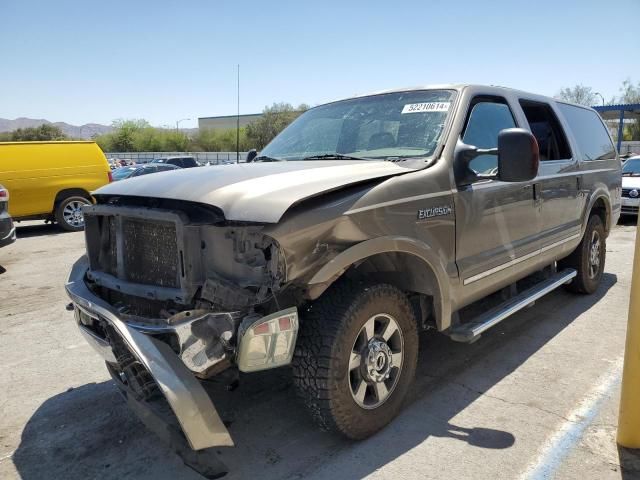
(318, 347)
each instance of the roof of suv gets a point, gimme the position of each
(464, 86)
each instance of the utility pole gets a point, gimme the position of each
(178, 123)
(238, 121)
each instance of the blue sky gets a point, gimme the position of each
(89, 61)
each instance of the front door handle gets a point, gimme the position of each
(535, 190)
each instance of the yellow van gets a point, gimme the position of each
(52, 180)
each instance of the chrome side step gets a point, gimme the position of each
(471, 331)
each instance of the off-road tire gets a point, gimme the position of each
(59, 212)
(327, 334)
(580, 259)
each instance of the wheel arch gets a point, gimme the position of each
(400, 261)
(600, 205)
(71, 192)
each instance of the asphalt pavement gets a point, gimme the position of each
(536, 397)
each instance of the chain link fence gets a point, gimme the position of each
(214, 158)
(630, 147)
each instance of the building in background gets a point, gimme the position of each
(226, 122)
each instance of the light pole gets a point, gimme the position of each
(178, 123)
(238, 121)
(600, 95)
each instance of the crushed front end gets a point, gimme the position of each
(169, 293)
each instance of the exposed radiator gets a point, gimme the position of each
(149, 256)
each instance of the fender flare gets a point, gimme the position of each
(333, 269)
(599, 193)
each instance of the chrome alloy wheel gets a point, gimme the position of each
(72, 213)
(376, 361)
(594, 254)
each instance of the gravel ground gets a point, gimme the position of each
(486, 410)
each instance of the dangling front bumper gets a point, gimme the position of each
(188, 400)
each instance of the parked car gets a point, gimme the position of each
(138, 170)
(182, 162)
(52, 180)
(631, 186)
(7, 229)
(364, 222)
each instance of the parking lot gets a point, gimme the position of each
(536, 397)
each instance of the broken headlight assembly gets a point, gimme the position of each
(267, 342)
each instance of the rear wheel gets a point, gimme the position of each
(356, 357)
(588, 258)
(68, 213)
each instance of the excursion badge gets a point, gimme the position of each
(425, 213)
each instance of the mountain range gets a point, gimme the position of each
(85, 131)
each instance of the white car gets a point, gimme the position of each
(631, 186)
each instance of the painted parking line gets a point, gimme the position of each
(563, 441)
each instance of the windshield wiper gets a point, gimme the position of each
(265, 158)
(333, 156)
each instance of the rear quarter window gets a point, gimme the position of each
(590, 133)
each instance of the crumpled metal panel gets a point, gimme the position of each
(255, 192)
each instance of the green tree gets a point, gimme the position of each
(176, 141)
(139, 136)
(274, 119)
(578, 94)
(44, 132)
(148, 139)
(125, 133)
(630, 93)
(220, 140)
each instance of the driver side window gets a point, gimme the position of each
(486, 119)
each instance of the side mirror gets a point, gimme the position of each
(251, 155)
(518, 155)
(463, 155)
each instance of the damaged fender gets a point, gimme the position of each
(337, 265)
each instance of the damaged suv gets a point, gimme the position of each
(363, 223)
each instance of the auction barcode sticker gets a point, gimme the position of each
(426, 107)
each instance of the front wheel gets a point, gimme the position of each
(356, 357)
(588, 258)
(68, 213)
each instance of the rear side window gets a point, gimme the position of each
(546, 127)
(189, 162)
(590, 133)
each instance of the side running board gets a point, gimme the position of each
(470, 331)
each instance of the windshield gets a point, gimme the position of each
(631, 167)
(387, 126)
(159, 160)
(123, 172)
